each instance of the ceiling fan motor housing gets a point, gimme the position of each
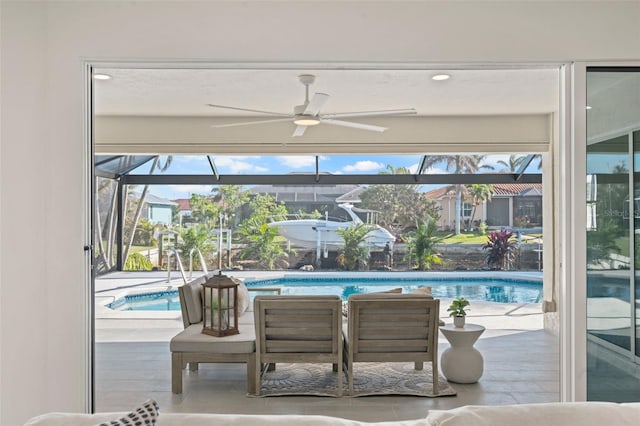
(307, 79)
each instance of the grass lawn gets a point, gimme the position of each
(474, 238)
(464, 238)
(138, 249)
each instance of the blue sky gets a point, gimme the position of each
(335, 164)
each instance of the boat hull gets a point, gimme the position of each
(310, 234)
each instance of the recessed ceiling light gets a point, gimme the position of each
(102, 77)
(441, 77)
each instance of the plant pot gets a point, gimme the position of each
(458, 322)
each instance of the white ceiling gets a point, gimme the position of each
(185, 92)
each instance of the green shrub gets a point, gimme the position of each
(137, 262)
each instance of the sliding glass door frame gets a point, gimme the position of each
(574, 160)
(562, 172)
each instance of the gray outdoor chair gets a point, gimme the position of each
(298, 329)
(392, 328)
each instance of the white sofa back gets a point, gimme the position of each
(173, 419)
(548, 414)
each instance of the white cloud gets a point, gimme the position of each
(172, 192)
(492, 160)
(363, 166)
(428, 171)
(234, 165)
(298, 161)
(433, 171)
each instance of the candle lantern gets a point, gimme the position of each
(220, 306)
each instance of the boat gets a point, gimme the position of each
(321, 233)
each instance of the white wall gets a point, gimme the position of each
(41, 154)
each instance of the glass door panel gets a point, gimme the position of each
(635, 309)
(613, 234)
(608, 262)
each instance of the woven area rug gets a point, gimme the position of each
(368, 379)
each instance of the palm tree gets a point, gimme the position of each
(141, 201)
(459, 164)
(263, 244)
(422, 243)
(354, 253)
(480, 192)
(194, 237)
(514, 162)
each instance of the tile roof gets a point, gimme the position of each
(515, 188)
(183, 203)
(498, 189)
(437, 193)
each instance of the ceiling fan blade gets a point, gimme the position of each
(249, 123)
(407, 111)
(316, 103)
(354, 125)
(249, 110)
(299, 131)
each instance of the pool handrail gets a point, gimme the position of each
(202, 262)
(175, 253)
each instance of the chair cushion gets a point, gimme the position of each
(193, 300)
(425, 291)
(191, 339)
(243, 301)
(243, 298)
(345, 304)
(397, 290)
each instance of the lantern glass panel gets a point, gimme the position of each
(220, 314)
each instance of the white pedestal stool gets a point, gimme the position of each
(462, 363)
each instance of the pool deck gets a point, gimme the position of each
(521, 362)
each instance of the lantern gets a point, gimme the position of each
(220, 306)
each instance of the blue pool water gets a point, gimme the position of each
(505, 290)
(159, 301)
(487, 289)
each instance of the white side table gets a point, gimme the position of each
(462, 363)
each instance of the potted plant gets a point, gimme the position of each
(458, 312)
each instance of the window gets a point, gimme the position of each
(466, 209)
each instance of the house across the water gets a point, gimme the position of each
(513, 205)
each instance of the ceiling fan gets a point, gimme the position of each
(308, 114)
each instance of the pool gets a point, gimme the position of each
(501, 290)
(491, 289)
(157, 301)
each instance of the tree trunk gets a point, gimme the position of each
(458, 208)
(136, 217)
